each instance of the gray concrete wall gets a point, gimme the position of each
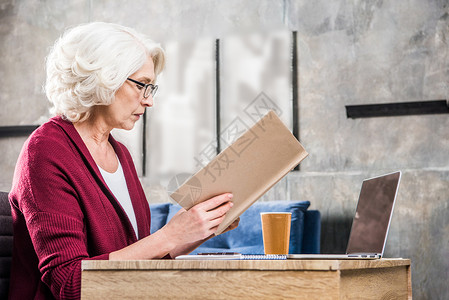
(350, 52)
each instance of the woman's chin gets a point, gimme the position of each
(128, 125)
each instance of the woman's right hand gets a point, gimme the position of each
(185, 231)
(199, 222)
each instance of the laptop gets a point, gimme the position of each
(371, 222)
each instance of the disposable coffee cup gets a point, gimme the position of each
(276, 232)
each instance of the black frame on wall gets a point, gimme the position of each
(294, 82)
(16, 131)
(397, 109)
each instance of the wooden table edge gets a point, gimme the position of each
(315, 265)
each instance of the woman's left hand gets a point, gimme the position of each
(233, 226)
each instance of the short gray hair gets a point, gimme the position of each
(90, 62)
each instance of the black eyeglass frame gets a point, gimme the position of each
(153, 87)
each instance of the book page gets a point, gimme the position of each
(247, 168)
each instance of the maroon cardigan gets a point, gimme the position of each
(63, 212)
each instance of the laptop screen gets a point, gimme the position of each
(373, 214)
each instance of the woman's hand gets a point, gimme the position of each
(184, 233)
(199, 222)
(233, 226)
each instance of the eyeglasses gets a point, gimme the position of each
(150, 89)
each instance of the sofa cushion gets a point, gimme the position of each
(159, 213)
(247, 238)
(312, 232)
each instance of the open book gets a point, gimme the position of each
(247, 168)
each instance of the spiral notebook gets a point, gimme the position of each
(232, 256)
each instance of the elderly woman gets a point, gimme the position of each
(76, 194)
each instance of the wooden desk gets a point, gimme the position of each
(262, 279)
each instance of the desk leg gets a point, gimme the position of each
(409, 276)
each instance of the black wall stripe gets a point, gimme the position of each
(15, 131)
(397, 109)
(144, 144)
(295, 88)
(217, 94)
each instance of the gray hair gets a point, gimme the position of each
(90, 62)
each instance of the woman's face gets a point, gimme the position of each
(129, 104)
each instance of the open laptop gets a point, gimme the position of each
(371, 221)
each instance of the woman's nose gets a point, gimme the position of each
(148, 101)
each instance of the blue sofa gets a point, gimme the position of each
(247, 238)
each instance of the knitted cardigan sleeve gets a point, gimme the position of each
(45, 195)
(64, 213)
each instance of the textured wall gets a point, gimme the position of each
(356, 52)
(350, 52)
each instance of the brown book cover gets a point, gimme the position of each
(248, 168)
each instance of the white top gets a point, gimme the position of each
(117, 184)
